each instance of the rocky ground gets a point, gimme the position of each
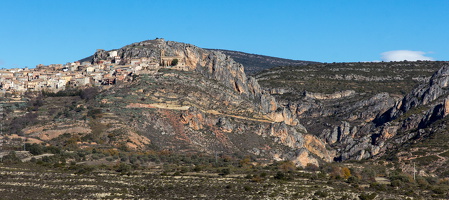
(22, 182)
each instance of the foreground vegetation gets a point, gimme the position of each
(165, 175)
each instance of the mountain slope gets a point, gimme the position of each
(255, 63)
(367, 110)
(205, 103)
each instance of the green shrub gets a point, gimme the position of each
(11, 158)
(35, 149)
(95, 113)
(279, 175)
(225, 171)
(440, 189)
(174, 62)
(123, 168)
(321, 194)
(83, 169)
(353, 179)
(366, 196)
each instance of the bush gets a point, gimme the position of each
(35, 149)
(89, 93)
(321, 194)
(283, 176)
(197, 168)
(366, 196)
(123, 168)
(397, 183)
(52, 149)
(225, 171)
(422, 182)
(311, 167)
(84, 169)
(174, 62)
(440, 189)
(353, 179)
(19, 123)
(11, 158)
(287, 166)
(95, 113)
(346, 172)
(279, 175)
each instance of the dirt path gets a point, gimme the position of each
(178, 107)
(214, 112)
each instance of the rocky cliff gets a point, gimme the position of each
(211, 64)
(351, 107)
(204, 104)
(362, 109)
(411, 117)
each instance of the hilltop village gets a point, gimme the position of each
(56, 77)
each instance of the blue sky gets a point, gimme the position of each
(61, 31)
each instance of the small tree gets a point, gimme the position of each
(287, 166)
(225, 171)
(35, 149)
(346, 172)
(174, 62)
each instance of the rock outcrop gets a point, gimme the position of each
(335, 95)
(406, 119)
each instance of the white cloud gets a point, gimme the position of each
(401, 55)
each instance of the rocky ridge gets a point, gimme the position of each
(256, 63)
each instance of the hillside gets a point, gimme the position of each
(368, 109)
(255, 63)
(204, 104)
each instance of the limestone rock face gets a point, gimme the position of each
(194, 118)
(287, 135)
(316, 146)
(446, 107)
(361, 110)
(225, 125)
(335, 95)
(420, 108)
(212, 64)
(424, 93)
(303, 156)
(338, 133)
